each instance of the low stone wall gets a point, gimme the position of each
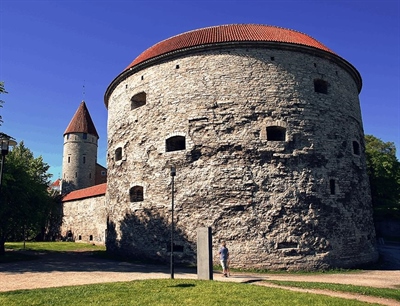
(86, 220)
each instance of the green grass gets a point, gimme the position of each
(362, 290)
(167, 292)
(15, 250)
(53, 246)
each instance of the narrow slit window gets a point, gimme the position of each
(138, 100)
(118, 154)
(84, 159)
(356, 148)
(175, 143)
(321, 86)
(332, 186)
(276, 133)
(136, 194)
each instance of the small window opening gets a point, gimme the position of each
(103, 173)
(332, 186)
(272, 58)
(91, 237)
(177, 67)
(315, 64)
(69, 159)
(175, 143)
(84, 159)
(138, 100)
(90, 175)
(142, 77)
(356, 148)
(118, 154)
(80, 237)
(136, 194)
(84, 136)
(276, 133)
(76, 174)
(320, 86)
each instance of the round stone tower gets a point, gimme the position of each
(263, 125)
(80, 151)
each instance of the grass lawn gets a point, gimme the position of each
(168, 292)
(53, 246)
(362, 290)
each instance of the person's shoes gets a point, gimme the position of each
(225, 275)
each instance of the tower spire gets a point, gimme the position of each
(82, 122)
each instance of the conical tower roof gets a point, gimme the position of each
(82, 122)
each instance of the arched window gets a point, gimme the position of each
(138, 100)
(136, 194)
(175, 143)
(321, 86)
(356, 148)
(276, 133)
(118, 154)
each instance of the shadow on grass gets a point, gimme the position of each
(22, 261)
(17, 256)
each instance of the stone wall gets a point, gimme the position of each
(299, 203)
(86, 219)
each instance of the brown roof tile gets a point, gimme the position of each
(229, 33)
(89, 192)
(82, 122)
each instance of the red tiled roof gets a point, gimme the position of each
(229, 33)
(89, 192)
(82, 122)
(56, 183)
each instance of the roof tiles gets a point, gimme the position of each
(229, 33)
(82, 122)
(89, 192)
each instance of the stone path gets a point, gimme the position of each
(78, 268)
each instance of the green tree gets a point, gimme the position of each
(383, 170)
(2, 91)
(24, 200)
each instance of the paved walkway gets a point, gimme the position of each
(78, 268)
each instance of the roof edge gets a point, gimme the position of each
(215, 46)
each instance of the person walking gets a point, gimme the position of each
(224, 257)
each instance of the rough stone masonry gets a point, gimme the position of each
(267, 139)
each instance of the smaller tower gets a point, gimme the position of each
(80, 151)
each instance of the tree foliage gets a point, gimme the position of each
(383, 170)
(25, 204)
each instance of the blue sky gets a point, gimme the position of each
(54, 54)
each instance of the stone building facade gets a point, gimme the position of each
(83, 182)
(84, 215)
(264, 127)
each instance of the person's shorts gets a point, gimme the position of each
(224, 264)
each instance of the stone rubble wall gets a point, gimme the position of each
(270, 200)
(86, 219)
